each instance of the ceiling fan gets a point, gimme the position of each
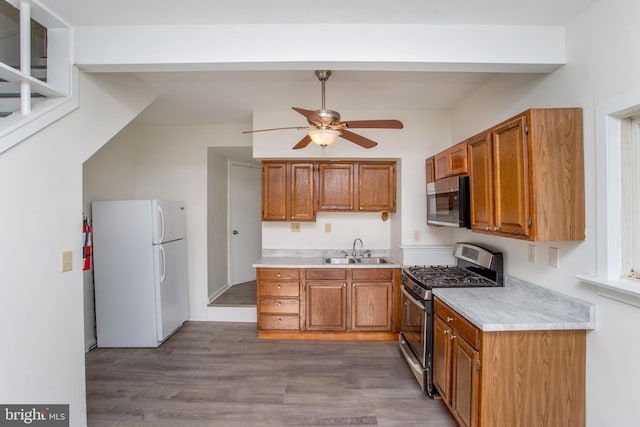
(325, 125)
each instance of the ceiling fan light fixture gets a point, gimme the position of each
(323, 137)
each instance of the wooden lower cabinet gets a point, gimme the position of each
(508, 378)
(328, 303)
(278, 299)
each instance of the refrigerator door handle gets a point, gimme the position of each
(163, 274)
(161, 238)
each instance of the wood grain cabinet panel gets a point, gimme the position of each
(278, 299)
(326, 306)
(288, 191)
(357, 186)
(429, 170)
(527, 177)
(371, 306)
(508, 377)
(451, 162)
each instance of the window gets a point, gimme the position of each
(618, 200)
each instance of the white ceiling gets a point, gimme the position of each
(220, 97)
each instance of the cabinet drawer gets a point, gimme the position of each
(278, 274)
(372, 274)
(279, 306)
(326, 274)
(272, 321)
(279, 289)
(452, 318)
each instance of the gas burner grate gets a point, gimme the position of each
(446, 276)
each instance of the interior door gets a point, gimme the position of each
(244, 220)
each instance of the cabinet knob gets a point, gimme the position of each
(453, 337)
(279, 320)
(279, 303)
(344, 284)
(445, 332)
(284, 217)
(360, 207)
(278, 275)
(278, 286)
(496, 228)
(487, 228)
(291, 216)
(449, 319)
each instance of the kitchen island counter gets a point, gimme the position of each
(518, 306)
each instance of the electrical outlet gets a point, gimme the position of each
(531, 255)
(554, 257)
(67, 261)
(327, 228)
(295, 227)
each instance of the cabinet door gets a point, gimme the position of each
(464, 399)
(442, 358)
(457, 159)
(335, 186)
(301, 191)
(274, 191)
(481, 182)
(430, 172)
(511, 177)
(371, 306)
(326, 306)
(377, 187)
(440, 168)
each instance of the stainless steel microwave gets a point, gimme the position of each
(448, 202)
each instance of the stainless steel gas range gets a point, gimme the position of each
(476, 266)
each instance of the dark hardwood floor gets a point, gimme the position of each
(220, 374)
(242, 294)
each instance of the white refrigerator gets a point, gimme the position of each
(140, 271)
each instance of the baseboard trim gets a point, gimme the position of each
(89, 345)
(245, 314)
(219, 292)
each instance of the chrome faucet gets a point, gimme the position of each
(357, 239)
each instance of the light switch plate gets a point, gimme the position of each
(67, 261)
(554, 257)
(295, 227)
(327, 228)
(531, 254)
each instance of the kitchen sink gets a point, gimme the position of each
(340, 260)
(350, 260)
(372, 260)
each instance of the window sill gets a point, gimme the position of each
(621, 290)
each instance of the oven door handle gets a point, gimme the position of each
(412, 298)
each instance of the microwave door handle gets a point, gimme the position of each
(412, 298)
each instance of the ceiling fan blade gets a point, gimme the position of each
(303, 142)
(312, 116)
(357, 139)
(379, 124)
(265, 130)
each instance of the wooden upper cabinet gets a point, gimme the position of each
(336, 186)
(274, 191)
(377, 187)
(451, 162)
(288, 191)
(429, 169)
(511, 177)
(481, 183)
(527, 176)
(357, 186)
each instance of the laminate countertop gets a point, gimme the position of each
(518, 306)
(316, 262)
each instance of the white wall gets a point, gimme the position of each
(217, 222)
(41, 309)
(424, 133)
(601, 67)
